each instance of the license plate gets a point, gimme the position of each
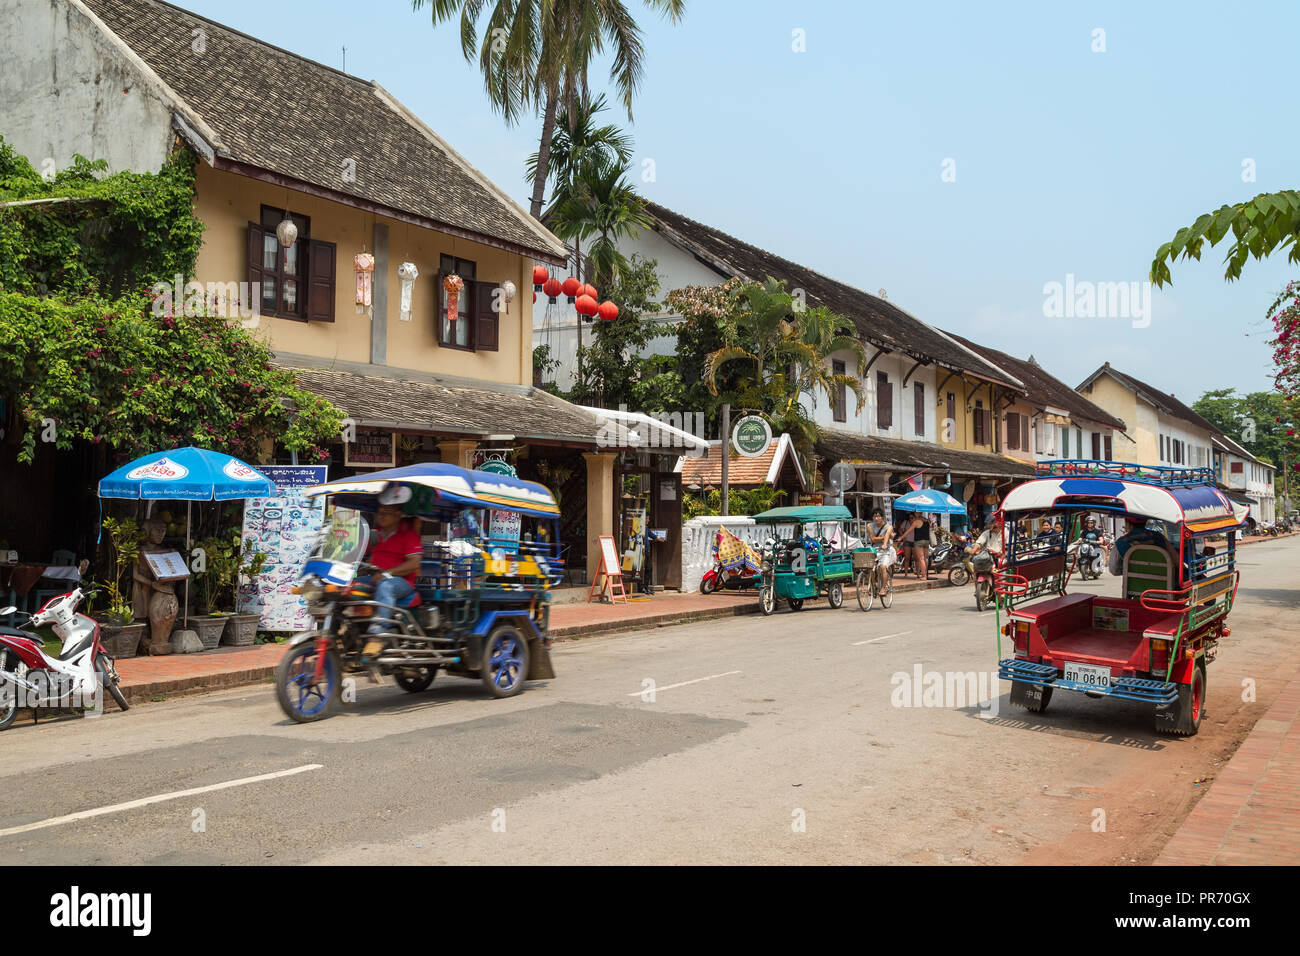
(1087, 674)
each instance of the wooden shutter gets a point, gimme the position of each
(256, 236)
(884, 404)
(919, 412)
(1096, 446)
(1024, 433)
(485, 317)
(1013, 431)
(320, 281)
(1108, 449)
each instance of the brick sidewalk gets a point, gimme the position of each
(147, 677)
(1252, 812)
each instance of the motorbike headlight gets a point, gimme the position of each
(311, 589)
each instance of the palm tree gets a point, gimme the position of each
(602, 206)
(536, 53)
(827, 333)
(579, 142)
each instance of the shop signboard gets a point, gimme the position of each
(284, 528)
(373, 448)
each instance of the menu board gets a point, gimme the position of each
(505, 526)
(167, 565)
(283, 527)
(373, 448)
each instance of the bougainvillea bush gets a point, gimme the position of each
(113, 372)
(1285, 314)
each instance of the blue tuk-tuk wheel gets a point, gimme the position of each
(302, 697)
(505, 661)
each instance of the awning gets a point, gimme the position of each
(892, 454)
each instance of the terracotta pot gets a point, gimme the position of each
(121, 642)
(241, 630)
(209, 629)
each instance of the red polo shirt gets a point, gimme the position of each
(389, 552)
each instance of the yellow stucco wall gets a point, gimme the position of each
(1139, 421)
(964, 428)
(227, 202)
(1020, 454)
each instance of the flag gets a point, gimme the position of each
(915, 482)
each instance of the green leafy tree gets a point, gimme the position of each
(612, 367)
(1258, 227)
(600, 208)
(114, 372)
(536, 55)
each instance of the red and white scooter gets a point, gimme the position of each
(77, 677)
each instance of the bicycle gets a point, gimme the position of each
(874, 579)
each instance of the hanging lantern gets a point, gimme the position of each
(286, 231)
(407, 273)
(364, 265)
(453, 284)
(552, 288)
(571, 287)
(591, 291)
(540, 275)
(608, 311)
(534, 297)
(586, 305)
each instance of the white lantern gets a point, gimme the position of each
(509, 289)
(286, 232)
(408, 274)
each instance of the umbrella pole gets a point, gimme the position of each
(186, 622)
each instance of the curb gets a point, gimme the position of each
(187, 686)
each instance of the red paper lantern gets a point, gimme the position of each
(571, 287)
(540, 275)
(591, 291)
(608, 311)
(552, 288)
(586, 305)
(534, 296)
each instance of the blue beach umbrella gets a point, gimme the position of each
(186, 474)
(929, 500)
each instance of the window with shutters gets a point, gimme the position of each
(918, 399)
(457, 333)
(979, 420)
(1013, 431)
(1039, 444)
(1108, 449)
(949, 430)
(1065, 442)
(884, 401)
(293, 283)
(839, 396)
(1096, 446)
(1024, 433)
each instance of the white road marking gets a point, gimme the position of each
(884, 637)
(638, 693)
(145, 801)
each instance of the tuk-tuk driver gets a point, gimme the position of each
(395, 548)
(1137, 533)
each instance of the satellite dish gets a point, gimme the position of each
(841, 478)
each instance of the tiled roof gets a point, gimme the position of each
(877, 320)
(707, 468)
(1045, 388)
(1162, 400)
(892, 452)
(280, 112)
(437, 406)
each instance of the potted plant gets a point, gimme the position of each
(221, 562)
(119, 632)
(242, 629)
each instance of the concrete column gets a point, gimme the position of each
(600, 504)
(379, 299)
(457, 452)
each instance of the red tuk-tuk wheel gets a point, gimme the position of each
(1189, 709)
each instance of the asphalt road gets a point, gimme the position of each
(765, 740)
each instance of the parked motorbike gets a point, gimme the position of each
(1084, 556)
(77, 677)
(734, 578)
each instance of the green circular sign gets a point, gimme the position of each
(751, 436)
(496, 466)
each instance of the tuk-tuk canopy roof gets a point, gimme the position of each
(1201, 507)
(452, 484)
(805, 514)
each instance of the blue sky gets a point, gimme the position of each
(1066, 161)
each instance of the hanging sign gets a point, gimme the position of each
(372, 448)
(284, 528)
(751, 436)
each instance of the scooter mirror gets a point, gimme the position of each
(6, 611)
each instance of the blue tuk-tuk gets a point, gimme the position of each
(480, 608)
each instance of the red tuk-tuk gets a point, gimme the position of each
(1154, 641)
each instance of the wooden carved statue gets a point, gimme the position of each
(153, 599)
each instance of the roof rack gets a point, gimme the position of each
(1125, 471)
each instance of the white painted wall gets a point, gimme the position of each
(65, 89)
